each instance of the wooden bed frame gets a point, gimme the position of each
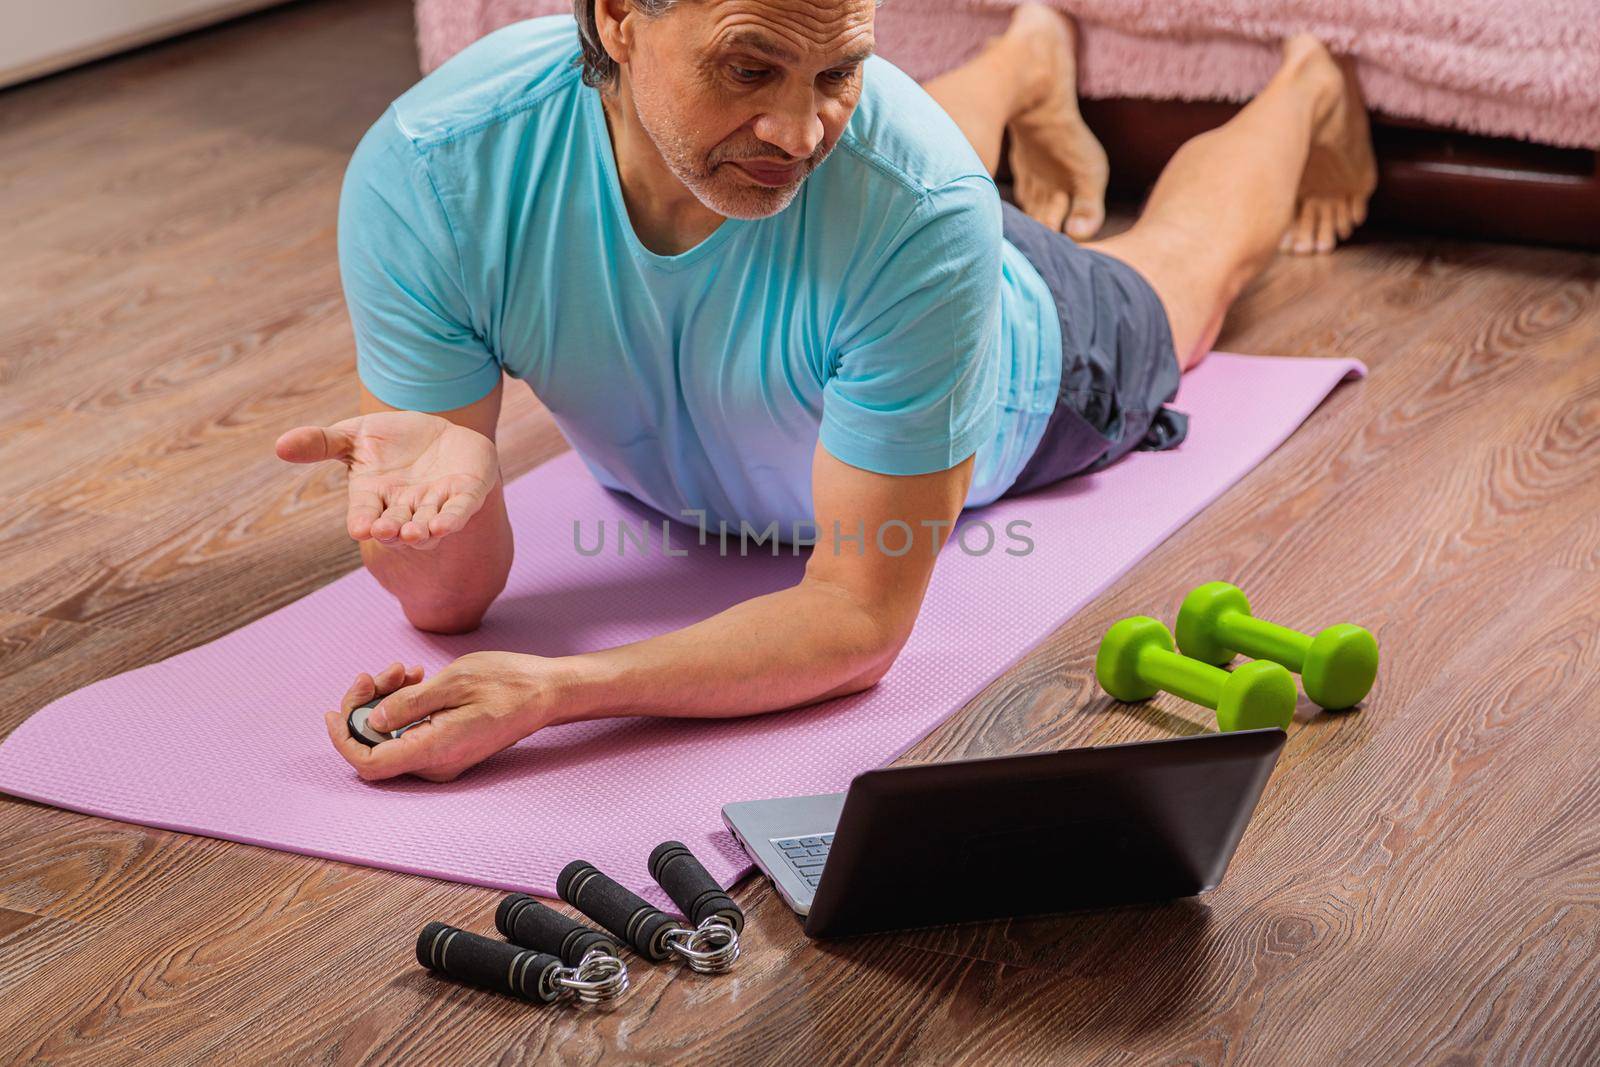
(1431, 180)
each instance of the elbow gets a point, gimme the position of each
(445, 618)
(875, 663)
(861, 681)
(458, 614)
(434, 603)
(878, 665)
(870, 635)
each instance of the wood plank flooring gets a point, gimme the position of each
(1421, 884)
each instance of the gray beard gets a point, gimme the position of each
(717, 193)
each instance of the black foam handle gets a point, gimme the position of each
(532, 924)
(691, 886)
(614, 907)
(487, 963)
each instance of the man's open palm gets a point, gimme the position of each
(414, 477)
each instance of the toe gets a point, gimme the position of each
(1088, 215)
(1325, 226)
(1342, 224)
(1305, 229)
(1035, 198)
(1053, 210)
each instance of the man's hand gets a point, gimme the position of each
(836, 632)
(414, 478)
(480, 704)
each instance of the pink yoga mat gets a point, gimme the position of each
(184, 745)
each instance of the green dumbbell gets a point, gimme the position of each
(1136, 659)
(1337, 665)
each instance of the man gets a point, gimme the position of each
(759, 276)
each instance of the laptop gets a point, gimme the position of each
(936, 843)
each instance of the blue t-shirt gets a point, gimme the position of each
(482, 229)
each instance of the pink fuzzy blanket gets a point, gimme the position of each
(1519, 68)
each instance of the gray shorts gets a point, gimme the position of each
(1118, 364)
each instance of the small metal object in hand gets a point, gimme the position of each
(361, 731)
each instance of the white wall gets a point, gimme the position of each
(40, 36)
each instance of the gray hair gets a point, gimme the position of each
(599, 69)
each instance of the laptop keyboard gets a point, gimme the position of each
(805, 855)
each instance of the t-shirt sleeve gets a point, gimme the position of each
(914, 387)
(401, 268)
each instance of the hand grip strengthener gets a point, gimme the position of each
(710, 946)
(507, 968)
(594, 956)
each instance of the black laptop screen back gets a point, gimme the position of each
(1024, 835)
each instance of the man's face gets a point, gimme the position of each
(744, 98)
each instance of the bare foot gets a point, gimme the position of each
(1340, 172)
(1059, 167)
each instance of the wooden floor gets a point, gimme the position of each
(1421, 884)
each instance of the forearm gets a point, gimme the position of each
(448, 588)
(788, 648)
